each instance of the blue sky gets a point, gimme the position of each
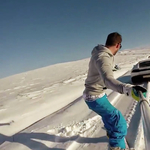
(38, 33)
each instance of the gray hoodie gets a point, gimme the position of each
(100, 75)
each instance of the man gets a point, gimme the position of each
(100, 76)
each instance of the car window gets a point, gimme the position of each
(144, 64)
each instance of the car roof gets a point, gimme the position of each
(144, 60)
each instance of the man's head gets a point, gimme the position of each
(113, 42)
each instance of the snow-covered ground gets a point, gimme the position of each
(43, 109)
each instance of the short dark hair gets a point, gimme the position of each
(113, 39)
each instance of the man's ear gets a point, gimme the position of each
(117, 45)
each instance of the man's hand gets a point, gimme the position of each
(133, 91)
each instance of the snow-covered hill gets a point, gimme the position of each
(55, 91)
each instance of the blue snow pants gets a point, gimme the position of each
(114, 121)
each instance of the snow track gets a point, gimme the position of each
(85, 134)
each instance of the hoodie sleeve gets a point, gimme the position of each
(104, 67)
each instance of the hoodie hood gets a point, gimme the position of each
(101, 48)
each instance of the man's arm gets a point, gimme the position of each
(104, 66)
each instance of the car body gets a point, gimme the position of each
(141, 71)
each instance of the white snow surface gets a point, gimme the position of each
(55, 92)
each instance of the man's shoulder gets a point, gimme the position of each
(104, 54)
